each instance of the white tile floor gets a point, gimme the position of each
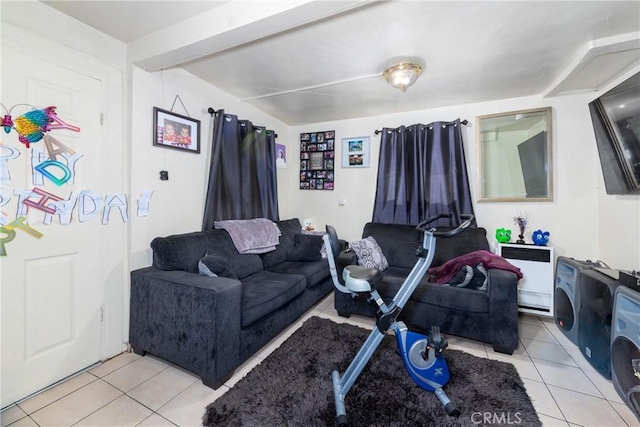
(129, 390)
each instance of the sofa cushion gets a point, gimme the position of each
(398, 242)
(289, 229)
(369, 254)
(435, 294)
(306, 247)
(469, 300)
(315, 272)
(216, 265)
(179, 252)
(243, 265)
(183, 251)
(396, 275)
(266, 291)
(471, 239)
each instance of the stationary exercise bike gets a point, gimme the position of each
(422, 355)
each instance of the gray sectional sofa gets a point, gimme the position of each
(489, 315)
(210, 325)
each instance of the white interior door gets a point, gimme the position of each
(52, 286)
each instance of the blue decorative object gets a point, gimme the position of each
(540, 238)
(503, 235)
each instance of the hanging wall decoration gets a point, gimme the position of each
(356, 152)
(317, 151)
(55, 161)
(171, 130)
(281, 156)
(32, 125)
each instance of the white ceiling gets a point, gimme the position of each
(130, 20)
(312, 61)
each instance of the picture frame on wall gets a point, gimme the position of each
(281, 156)
(356, 152)
(317, 160)
(172, 130)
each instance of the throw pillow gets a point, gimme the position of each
(204, 270)
(369, 254)
(216, 265)
(307, 248)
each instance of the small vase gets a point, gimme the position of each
(520, 239)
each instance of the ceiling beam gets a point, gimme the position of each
(230, 25)
(598, 63)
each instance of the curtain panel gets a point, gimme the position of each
(422, 172)
(242, 176)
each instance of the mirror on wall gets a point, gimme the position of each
(514, 153)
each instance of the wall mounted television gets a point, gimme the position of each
(616, 123)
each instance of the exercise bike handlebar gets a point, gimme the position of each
(468, 220)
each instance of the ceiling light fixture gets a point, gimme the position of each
(402, 75)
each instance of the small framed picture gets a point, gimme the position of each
(171, 130)
(356, 152)
(317, 161)
(281, 156)
(328, 164)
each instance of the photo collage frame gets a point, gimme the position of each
(317, 160)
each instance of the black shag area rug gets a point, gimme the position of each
(292, 387)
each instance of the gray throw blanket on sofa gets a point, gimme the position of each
(252, 236)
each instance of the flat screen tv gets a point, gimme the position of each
(616, 123)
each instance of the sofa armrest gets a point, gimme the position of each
(502, 287)
(189, 319)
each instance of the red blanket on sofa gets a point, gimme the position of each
(445, 272)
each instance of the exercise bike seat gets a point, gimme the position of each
(359, 279)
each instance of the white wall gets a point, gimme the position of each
(177, 205)
(584, 222)
(54, 26)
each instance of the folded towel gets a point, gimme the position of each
(251, 236)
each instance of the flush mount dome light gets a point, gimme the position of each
(402, 75)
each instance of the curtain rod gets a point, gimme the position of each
(463, 122)
(212, 111)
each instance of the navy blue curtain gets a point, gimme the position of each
(421, 173)
(242, 176)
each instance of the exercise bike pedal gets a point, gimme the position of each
(451, 410)
(341, 421)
